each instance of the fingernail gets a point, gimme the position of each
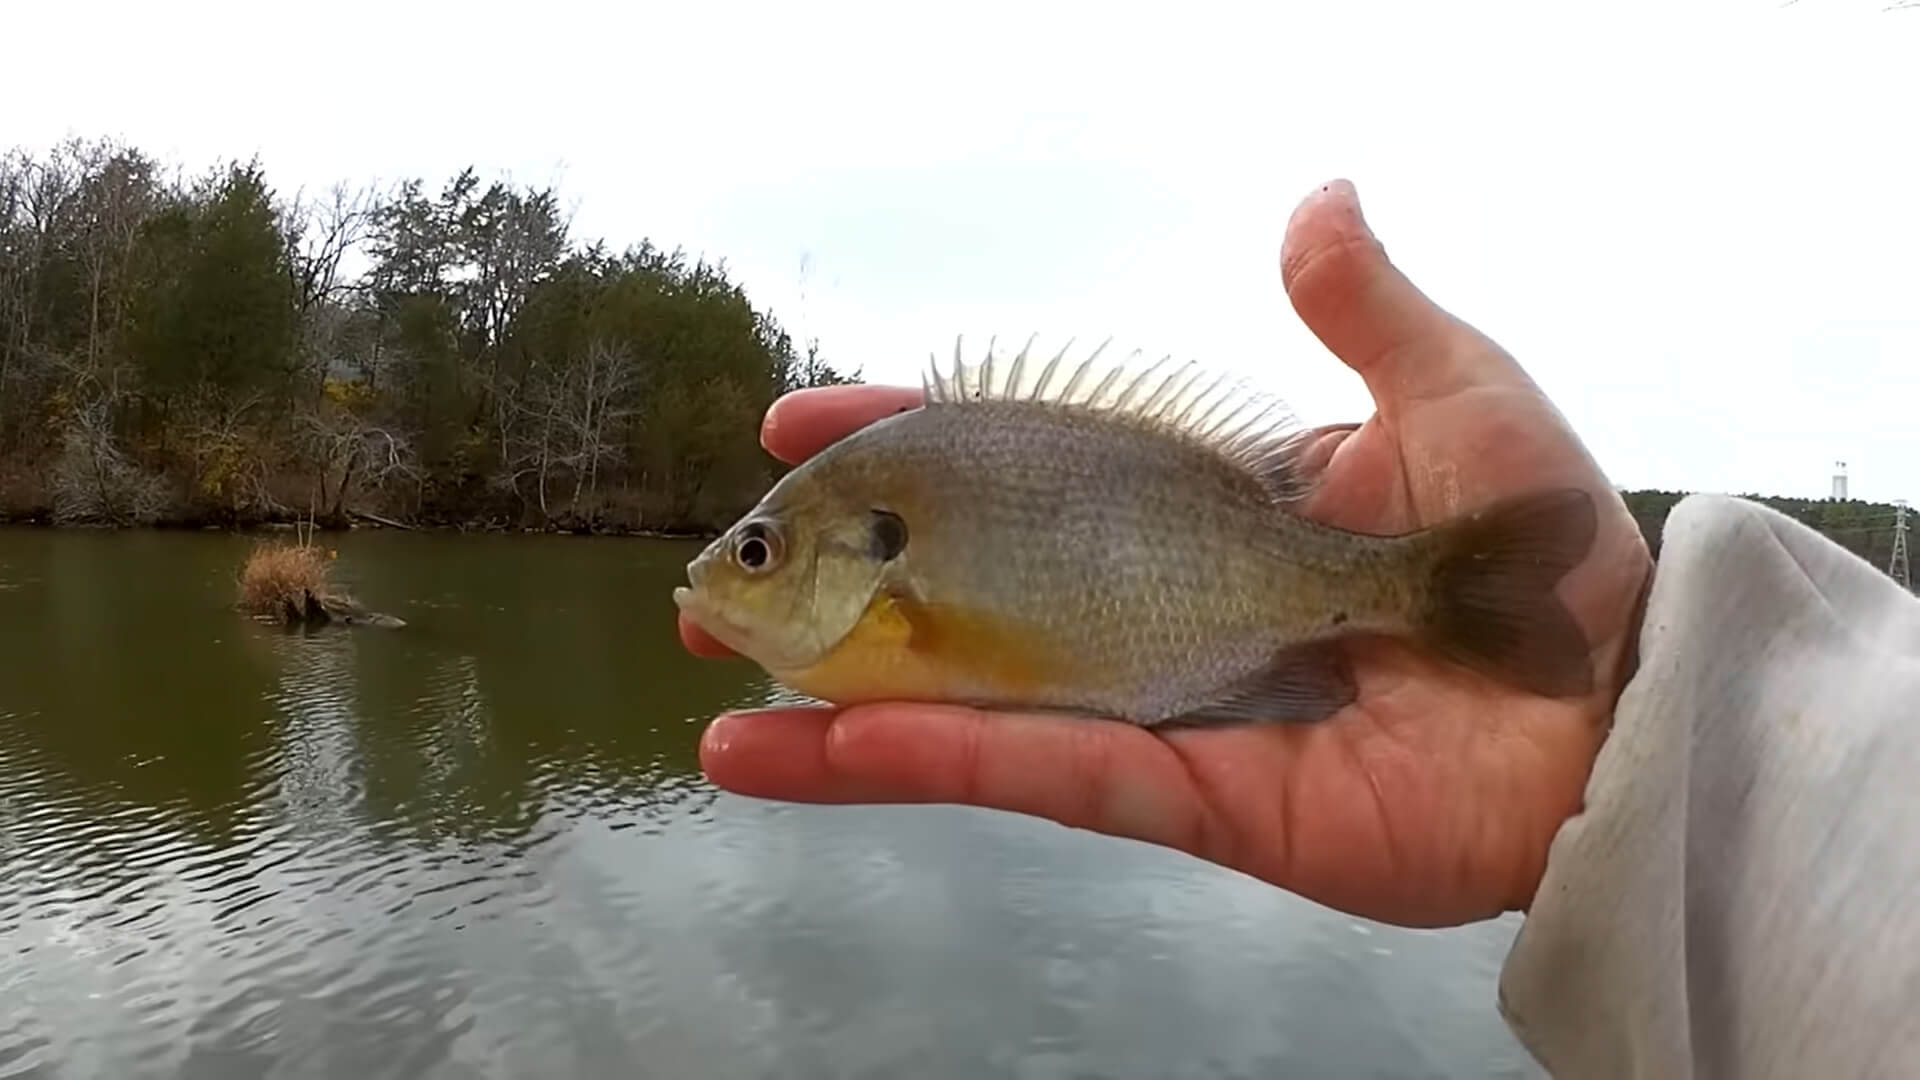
(1344, 190)
(767, 423)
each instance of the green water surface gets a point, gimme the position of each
(480, 846)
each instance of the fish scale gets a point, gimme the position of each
(1087, 536)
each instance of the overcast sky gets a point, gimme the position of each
(1695, 222)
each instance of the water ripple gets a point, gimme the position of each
(482, 848)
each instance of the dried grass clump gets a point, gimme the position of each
(286, 581)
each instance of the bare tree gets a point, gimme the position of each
(509, 241)
(33, 196)
(320, 234)
(571, 414)
(600, 382)
(363, 455)
(230, 461)
(94, 483)
(16, 259)
(117, 191)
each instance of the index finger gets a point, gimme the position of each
(804, 422)
(1102, 775)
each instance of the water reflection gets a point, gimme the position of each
(480, 847)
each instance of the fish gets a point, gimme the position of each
(1123, 541)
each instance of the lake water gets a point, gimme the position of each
(480, 846)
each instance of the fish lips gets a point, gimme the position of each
(695, 606)
(687, 597)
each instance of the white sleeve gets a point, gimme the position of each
(1740, 896)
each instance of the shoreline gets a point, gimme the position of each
(1864, 527)
(45, 521)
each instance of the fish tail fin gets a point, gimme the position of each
(1491, 600)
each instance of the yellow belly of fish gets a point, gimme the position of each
(902, 650)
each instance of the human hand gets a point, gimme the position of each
(1429, 801)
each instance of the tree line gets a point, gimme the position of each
(1864, 528)
(202, 349)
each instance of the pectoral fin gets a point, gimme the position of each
(1302, 685)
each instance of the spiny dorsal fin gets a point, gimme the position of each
(1250, 428)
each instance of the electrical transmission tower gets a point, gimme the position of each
(1897, 566)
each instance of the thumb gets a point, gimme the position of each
(1375, 320)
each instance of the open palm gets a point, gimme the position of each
(1433, 798)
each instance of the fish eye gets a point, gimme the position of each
(757, 547)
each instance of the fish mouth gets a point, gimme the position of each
(717, 626)
(693, 606)
(687, 597)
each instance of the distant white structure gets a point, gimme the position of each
(1897, 567)
(1839, 480)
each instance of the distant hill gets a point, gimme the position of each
(1864, 528)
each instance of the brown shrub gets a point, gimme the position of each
(283, 580)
